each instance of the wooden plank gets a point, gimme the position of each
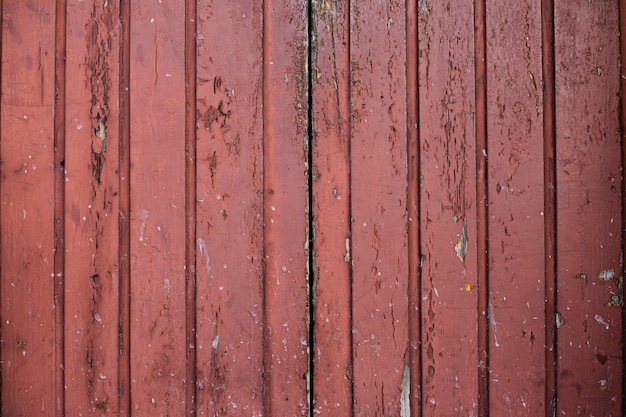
(332, 355)
(157, 197)
(285, 141)
(91, 208)
(448, 210)
(516, 285)
(590, 324)
(229, 243)
(378, 152)
(27, 303)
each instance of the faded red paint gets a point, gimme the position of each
(332, 354)
(155, 257)
(91, 160)
(516, 210)
(27, 303)
(589, 247)
(229, 227)
(157, 210)
(449, 282)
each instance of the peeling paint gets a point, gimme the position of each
(405, 395)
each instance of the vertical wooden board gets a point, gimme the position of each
(285, 137)
(229, 209)
(448, 209)
(378, 202)
(589, 209)
(91, 208)
(157, 245)
(27, 304)
(332, 386)
(516, 223)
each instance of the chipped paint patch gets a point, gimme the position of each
(461, 246)
(606, 275)
(405, 395)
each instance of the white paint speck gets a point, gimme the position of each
(601, 320)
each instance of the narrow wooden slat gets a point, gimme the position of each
(191, 177)
(448, 210)
(550, 211)
(91, 208)
(378, 201)
(332, 384)
(124, 212)
(414, 405)
(482, 203)
(622, 73)
(27, 304)
(515, 126)
(589, 209)
(59, 202)
(157, 203)
(229, 243)
(285, 141)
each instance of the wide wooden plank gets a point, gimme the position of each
(332, 360)
(285, 142)
(589, 246)
(157, 199)
(91, 208)
(378, 152)
(516, 218)
(229, 226)
(448, 210)
(27, 301)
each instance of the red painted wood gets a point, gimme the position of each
(27, 303)
(378, 152)
(589, 359)
(230, 209)
(332, 376)
(448, 210)
(516, 210)
(157, 202)
(413, 225)
(285, 141)
(91, 210)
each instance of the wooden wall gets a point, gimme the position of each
(332, 207)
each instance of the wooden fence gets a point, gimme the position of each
(333, 208)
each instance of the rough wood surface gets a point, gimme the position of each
(229, 226)
(589, 248)
(27, 304)
(378, 207)
(516, 210)
(329, 207)
(332, 355)
(448, 210)
(157, 235)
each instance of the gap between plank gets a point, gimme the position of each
(482, 202)
(124, 389)
(59, 203)
(190, 203)
(550, 204)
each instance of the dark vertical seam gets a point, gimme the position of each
(550, 196)
(413, 204)
(622, 120)
(190, 202)
(1, 183)
(59, 203)
(482, 202)
(265, 111)
(348, 29)
(311, 275)
(124, 367)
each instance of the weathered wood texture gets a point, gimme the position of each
(285, 208)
